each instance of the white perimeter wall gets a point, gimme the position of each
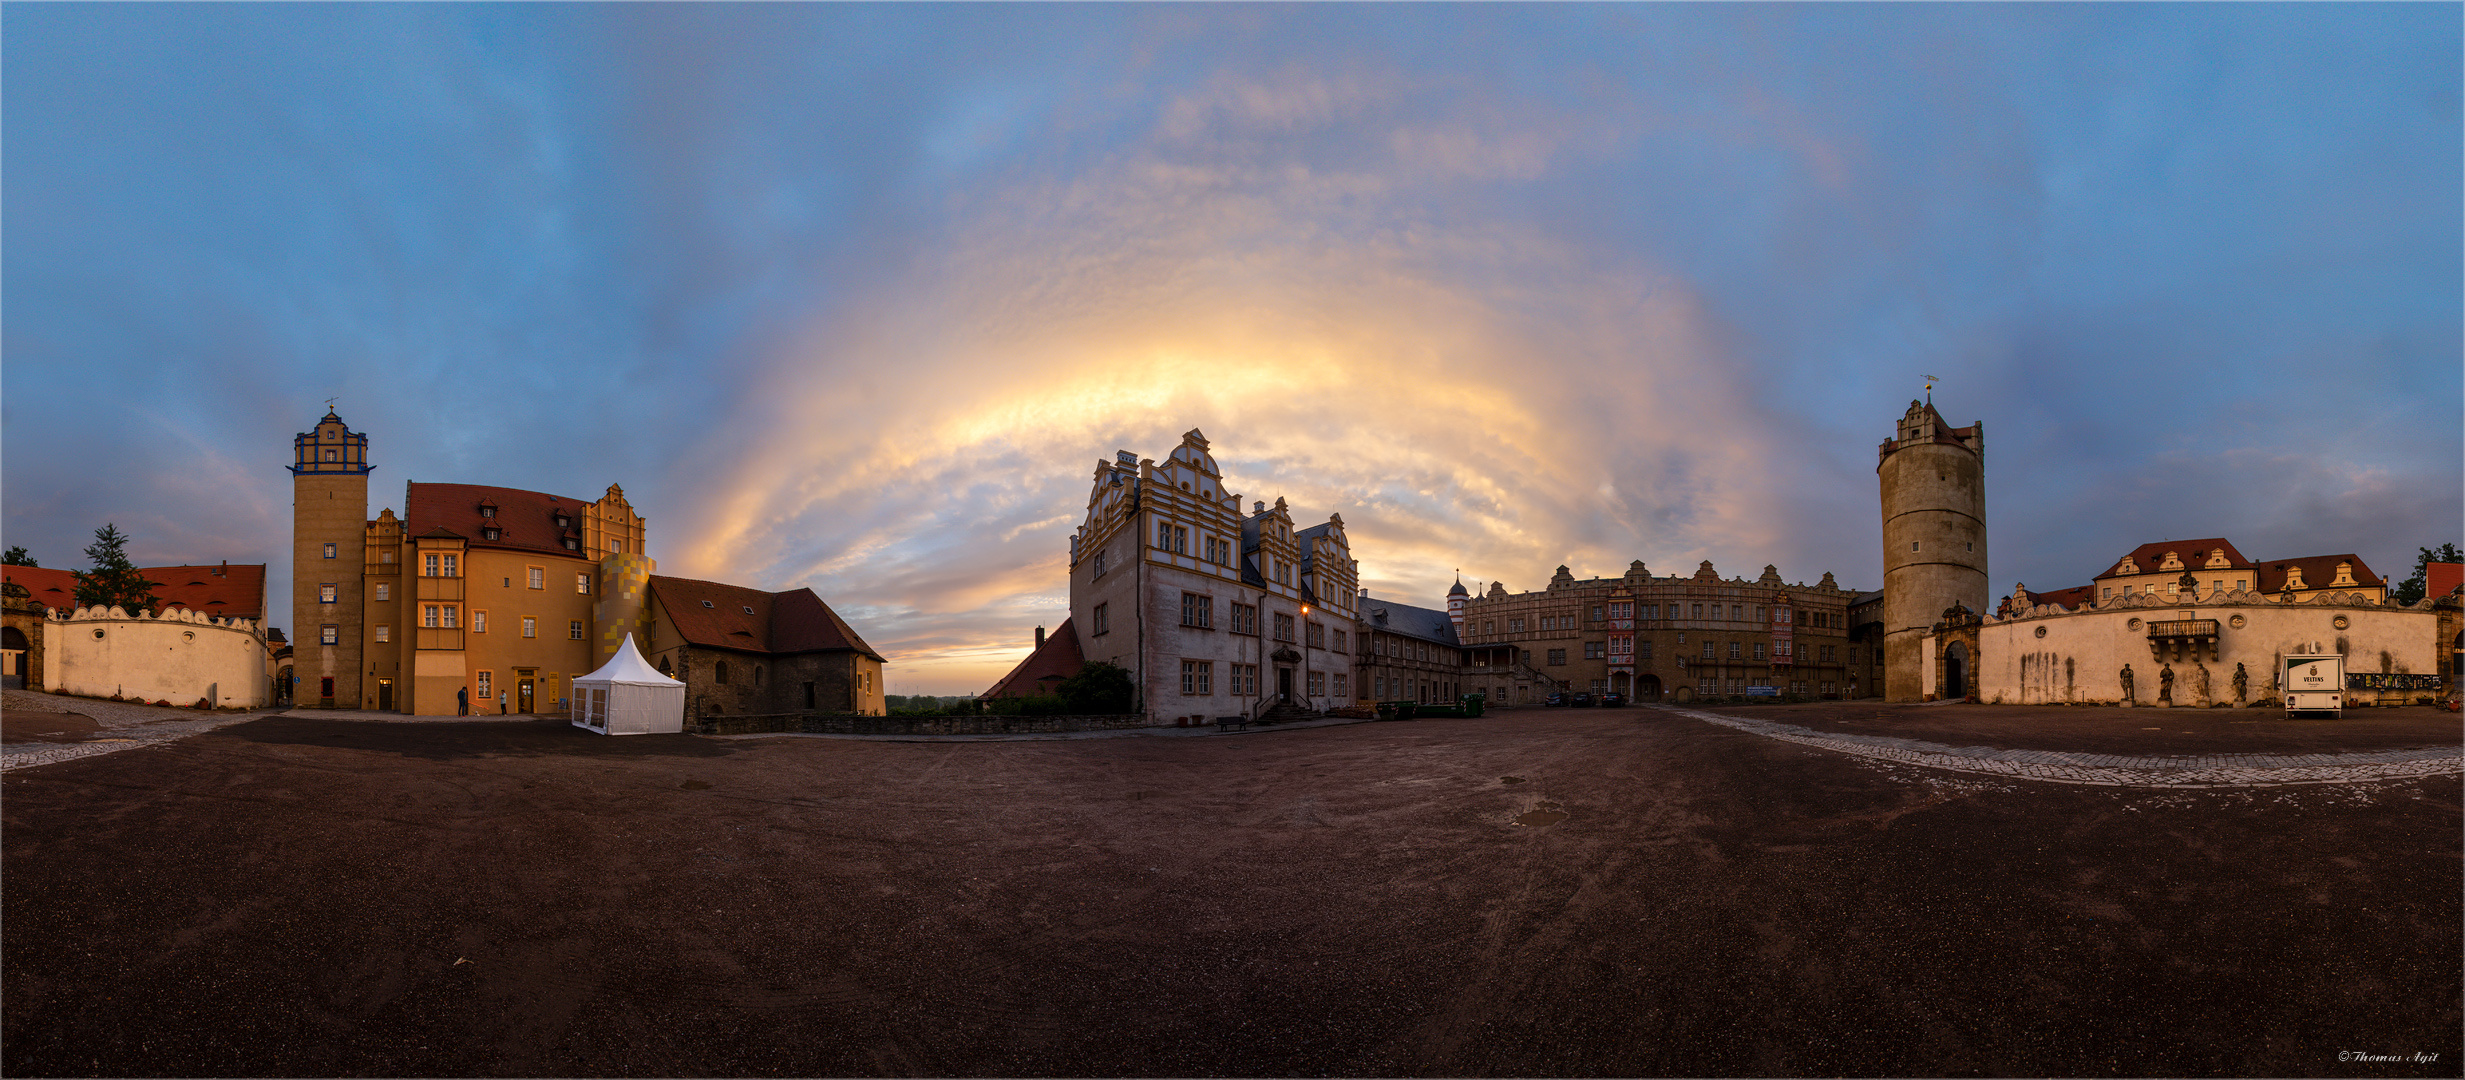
(179, 657)
(2081, 654)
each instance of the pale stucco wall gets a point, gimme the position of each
(2080, 654)
(179, 657)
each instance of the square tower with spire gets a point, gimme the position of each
(329, 511)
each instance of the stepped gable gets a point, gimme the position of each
(1044, 668)
(719, 615)
(526, 519)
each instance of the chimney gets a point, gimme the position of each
(1039, 637)
(225, 571)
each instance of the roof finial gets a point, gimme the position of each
(1930, 381)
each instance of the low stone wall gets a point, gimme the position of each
(822, 724)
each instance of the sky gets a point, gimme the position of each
(854, 297)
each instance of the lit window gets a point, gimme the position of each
(329, 634)
(329, 551)
(479, 622)
(574, 630)
(616, 547)
(530, 626)
(538, 578)
(384, 632)
(582, 583)
(385, 590)
(325, 594)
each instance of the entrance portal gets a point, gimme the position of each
(1283, 685)
(1955, 665)
(385, 695)
(522, 696)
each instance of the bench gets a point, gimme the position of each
(1232, 723)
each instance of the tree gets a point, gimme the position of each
(1099, 688)
(114, 581)
(2411, 589)
(17, 557)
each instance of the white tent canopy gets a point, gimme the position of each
(627, 696)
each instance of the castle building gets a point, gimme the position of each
(743, 651)
(1663, 638)
(1212, 611)
(1409, 653)
(1933, 479)
(497, 594)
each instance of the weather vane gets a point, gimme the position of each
(329, 404)
(1930, 381)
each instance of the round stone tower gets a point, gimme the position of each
(1934, 537)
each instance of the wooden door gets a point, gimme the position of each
(522, 696)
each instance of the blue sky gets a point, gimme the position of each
(854, 296)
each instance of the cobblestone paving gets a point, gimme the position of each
(2115, 770)
(126, 726)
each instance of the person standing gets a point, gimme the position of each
(462, 702)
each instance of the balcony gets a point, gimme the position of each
(2183, 634)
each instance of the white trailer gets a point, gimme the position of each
(2313, 683)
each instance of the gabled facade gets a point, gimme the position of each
(1212, 611)
(743, 651)
(2213, 565)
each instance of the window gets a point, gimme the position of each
(1622, 610)
(582, 583)
(1514, 626)
(573, 630)
(329, 551)
(538, 577)
(1489, 626)
(1557, 658)
(385, 590)
(479, 622)
(1283, 627)
(1318, 684)
(757, 670)
(1102, 624)
(1098, 571)
(1707, 650)
(1197, 678)
(1172, 538)
(1381, 684)
(1596, 613)
(1591, 650)
(1733, 650)
(1244, 619)
(428, 616)
(1737, 612)
(1219, 551)
(384, 632)
(487, 685)
(1198, 611)
(1339, 641)
(1644, 649)
(1758, 650)
(1244, 680)
(2109, 593)
(486, 511)
(491, 532)
(1341, 690)
(1394, 648)
(325, 593)
(452, 614)
(1758, 613)
(718, 671)
(1698, 611)
(809, 698)
(2237, 587)
(327, 635)
(1317, 634)
(530, 626)
(1852, 654)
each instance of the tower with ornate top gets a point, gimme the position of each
(329, 514)
(1933, 479)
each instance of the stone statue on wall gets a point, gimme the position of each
(2165, 685)
(2126, 677)
(2242, 684)
(2202, 684)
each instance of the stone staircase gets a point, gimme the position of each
(1281, 712)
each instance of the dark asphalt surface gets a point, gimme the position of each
(298, 896)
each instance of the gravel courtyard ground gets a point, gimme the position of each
(1578, 892)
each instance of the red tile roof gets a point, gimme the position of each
(55, 589)
(2442, 578)
(527, 518)
(2317, 572)
(1044, 668)
(750, 620)
(2072, 598)
(2193, 553)
(233, 590)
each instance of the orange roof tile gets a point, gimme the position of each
(2317, 572)
(525, 520)
(1042, 669)
(749, 620)
(2193, 553)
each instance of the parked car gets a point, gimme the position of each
(1612, 699)
(1581, 700)
(1553, 701)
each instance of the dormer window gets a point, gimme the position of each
(563, 522)
(491, 533)
(487, 510)
(572, 544)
